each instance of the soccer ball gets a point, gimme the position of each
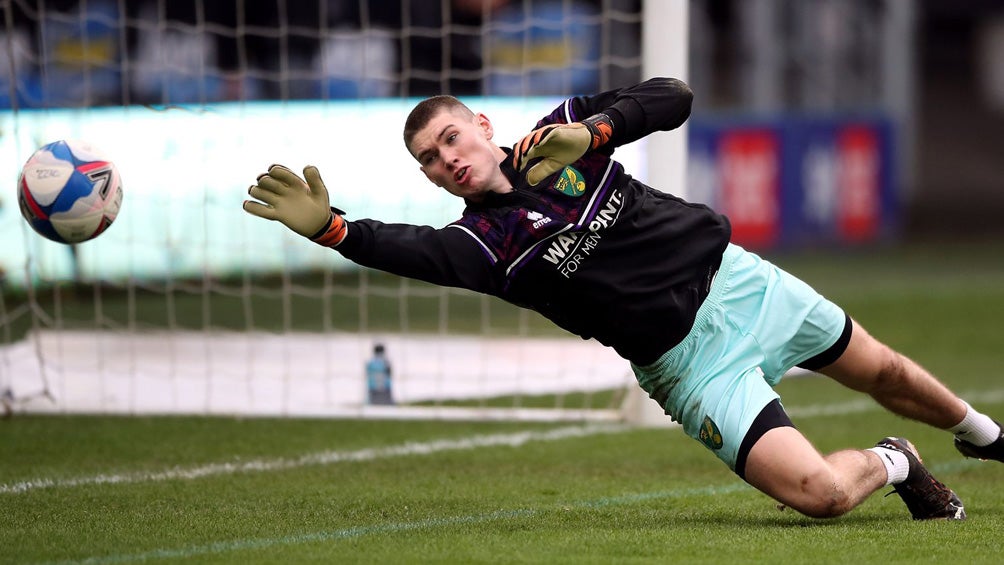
(69, 191)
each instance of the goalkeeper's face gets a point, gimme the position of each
(456, 151)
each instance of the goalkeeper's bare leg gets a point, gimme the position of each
(905, 388)
(895, 381)
(787, 467)
(784, 465)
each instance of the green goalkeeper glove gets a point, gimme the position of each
(300, 206)
(559, 145)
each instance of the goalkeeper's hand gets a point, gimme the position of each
(559, 145)
(301, 206)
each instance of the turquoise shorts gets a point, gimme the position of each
(756, 323)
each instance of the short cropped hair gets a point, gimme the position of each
(427, 109)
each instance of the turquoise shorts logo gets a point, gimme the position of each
(709, 435)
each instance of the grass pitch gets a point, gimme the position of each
(76, 489)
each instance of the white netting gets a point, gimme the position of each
(186, 304)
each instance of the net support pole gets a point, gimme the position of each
(665, 50)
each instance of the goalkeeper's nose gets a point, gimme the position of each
(450, 159)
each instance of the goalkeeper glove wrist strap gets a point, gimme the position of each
(601, 127)
(333, 232)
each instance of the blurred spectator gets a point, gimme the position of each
(16, 68)
(358, 55)
(549, 47)
(266, 47)
(174, 59)
(326, 48)
(80, 53)
(192, 51)
(441, 53)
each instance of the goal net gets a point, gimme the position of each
(187, 304)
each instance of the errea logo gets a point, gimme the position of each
(538, 219)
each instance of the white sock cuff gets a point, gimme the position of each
(897, 466)
(976, 428)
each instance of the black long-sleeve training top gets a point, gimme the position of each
(597, 252)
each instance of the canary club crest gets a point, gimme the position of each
(570, 182)
(709, 435)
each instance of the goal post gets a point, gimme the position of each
(665, 39)
(187, 305)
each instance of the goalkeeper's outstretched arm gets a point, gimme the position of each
(444, 257)
(601, 123)
(301, 205)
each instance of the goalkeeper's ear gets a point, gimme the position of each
(486, 125)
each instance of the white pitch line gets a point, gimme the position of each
(866, 404)
(319, 458)
(415, 448)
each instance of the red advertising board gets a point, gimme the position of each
(750, 167)
(859, 207)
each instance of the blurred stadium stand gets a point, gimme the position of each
(935, 66)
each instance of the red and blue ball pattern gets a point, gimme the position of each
(69, 191)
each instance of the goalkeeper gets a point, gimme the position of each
(557, 226)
